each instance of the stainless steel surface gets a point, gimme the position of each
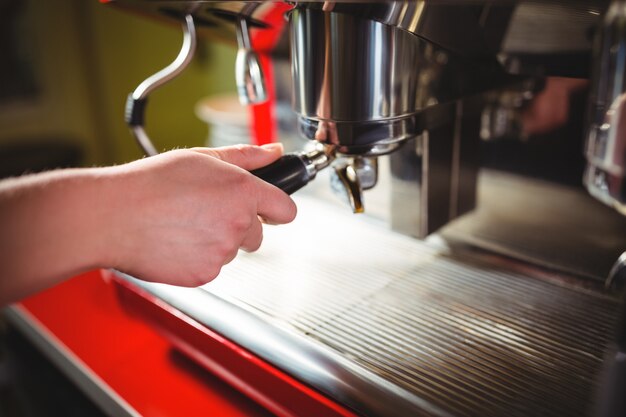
(469, 337)
(557, 227)
(478, 26)
(300, 356)
(345, 68)
(509, 29)
(358, 82)
(434, 176)
(367, 88)
(605, 176)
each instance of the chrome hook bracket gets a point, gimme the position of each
(137, 100)
(248, 73)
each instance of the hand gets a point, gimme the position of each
(176, 218)
(185, 213)
(550, 109)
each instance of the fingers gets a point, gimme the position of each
(248, 157)
(254, 237)
(273, 205)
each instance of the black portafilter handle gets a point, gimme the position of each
(294, 170)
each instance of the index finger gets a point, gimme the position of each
(273, 204)
(248, 157)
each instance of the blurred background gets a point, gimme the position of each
(67, 67)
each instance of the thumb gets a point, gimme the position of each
(248, 157)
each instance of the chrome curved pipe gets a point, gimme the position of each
(135, 106)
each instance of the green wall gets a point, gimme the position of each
(131, 48)
(87, 58)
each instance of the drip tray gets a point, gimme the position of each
(389, 325)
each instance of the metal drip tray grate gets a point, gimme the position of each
(472, 339)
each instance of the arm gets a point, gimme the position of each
(176, 218)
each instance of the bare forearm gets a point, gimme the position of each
(50, 229)
(176, 218)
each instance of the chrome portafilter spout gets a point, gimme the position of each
(353, 176)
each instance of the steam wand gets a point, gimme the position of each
(137, 100)
(289, 173)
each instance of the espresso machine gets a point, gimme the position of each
(484, 139)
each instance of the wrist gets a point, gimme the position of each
(54, 226)
(98, 211)
(83, 203)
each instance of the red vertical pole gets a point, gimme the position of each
(264, 128)
(264, 125)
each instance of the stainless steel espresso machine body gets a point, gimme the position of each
(491, 129)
